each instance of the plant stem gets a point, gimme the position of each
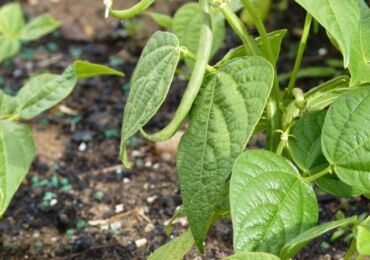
(302, 47)
(318, 174)
(238, 27)
(281, 147)
(188, 54)
(273, 113)
(351, 250)
(196, 79)
(133, 11)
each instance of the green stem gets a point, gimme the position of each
(238, 27)
(196, 79)
(302, 47)
(188, 54)
(318, 174)
(273, 113)
(281, 147)
(133, 11)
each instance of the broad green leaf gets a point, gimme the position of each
(16, 155)
(85, 70)
(346, 138)
(8, 47)
(363, 237)
(187, 23)
(162, 20)
(305, 143)
(149, 84)
(11, 19)
(305, 148)
(296, 244)
(217, 134)
(252, 256)
(348, 24)
(43, 92)
(46, 90)
(175, 249)
(275, 37)
(270, 202)
(39, 27)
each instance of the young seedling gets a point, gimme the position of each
(17, 149)
(14, 30)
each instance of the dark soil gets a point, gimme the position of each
(78, 203)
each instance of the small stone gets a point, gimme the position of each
(119, 208)
(151, 199)
(149, 228)
(140, 242)
(53, 202)
(126, 180)
(136, 153)
(116, 225)
(82, 147)
(148, 164)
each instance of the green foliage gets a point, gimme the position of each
(252, 256)
(149, 84)
(217, 135)
(348, 23)
(345, 138)
(324, 133)
(175, 249)
(13, 29)
(296, 244)
(17, 151)
(40, 93)
(270, 202)
(363, 237)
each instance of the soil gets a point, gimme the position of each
(77, 202)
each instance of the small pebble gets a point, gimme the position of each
(116, 225)
(119, 208)
(126, 180)
(141, 242)
(156, 166)
(53, 202)
(151, 199)
(136, 153)
(148, 164)
(82, 147)
(149, 228)
(322, 51)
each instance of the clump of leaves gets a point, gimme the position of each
(17, 149)
(14, 30)
(318, 137)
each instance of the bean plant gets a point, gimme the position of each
(320, 137)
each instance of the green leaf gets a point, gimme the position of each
(275, 37)
(8, 47)
(348, 24)
(149, 84)
(305, 143)
(46, 90)
(175, 249)
(346, 138)
(296, 244)
(16, 155)
(270, 203)
(39, 27)
(11, 19)
(162, 20)
(363, 237)
(43, 92)
(85, 70)
(217, 135)
(187, 23)
(305, 149)
(252, 256)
